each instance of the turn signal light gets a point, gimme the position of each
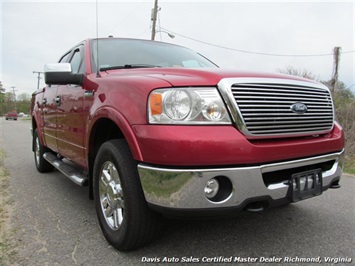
(156, 104)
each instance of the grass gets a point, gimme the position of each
(349, 166)
(7, 247)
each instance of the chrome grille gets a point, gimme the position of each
(266, 108)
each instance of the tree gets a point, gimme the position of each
(8, 97)
(24, 97)
(342, 91)
(23, 103)
(2, 91)
(290, 70)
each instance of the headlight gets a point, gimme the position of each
(177, 104)
(187, 106)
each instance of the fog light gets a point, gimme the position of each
(211, 188)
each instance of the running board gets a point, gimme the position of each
(69, 171)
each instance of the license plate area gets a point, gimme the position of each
(306, 185)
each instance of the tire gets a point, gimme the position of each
(41, 164)
(124, 217)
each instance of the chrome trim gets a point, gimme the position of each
(184, 188)
(225, 88)
(111, 196)
(74, 175)
(57, 67)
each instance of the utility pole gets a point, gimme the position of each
(334, 80)
(38, 77)
(14, 95)
(154, 18)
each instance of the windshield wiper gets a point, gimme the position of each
(128, 67)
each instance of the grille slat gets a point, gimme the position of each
(266, 108)
(281, 106)
(257, 97)
(284, 109)
(287, 122)
(281, 102)
(285, 114)
(263, 94)
(292, 130)
(280, 126)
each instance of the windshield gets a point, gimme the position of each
(119, 53)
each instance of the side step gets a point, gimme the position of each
(69, 171)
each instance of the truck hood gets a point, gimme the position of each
(179, 77)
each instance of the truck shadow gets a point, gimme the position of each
(282, 230)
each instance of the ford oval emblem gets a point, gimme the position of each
(299, 108)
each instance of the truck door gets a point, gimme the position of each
(70, 114)
(49, 110)
(49, 106)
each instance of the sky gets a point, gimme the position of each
(244, 35)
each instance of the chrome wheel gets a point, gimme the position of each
(124, 217)
(37, 150)
(111, 196)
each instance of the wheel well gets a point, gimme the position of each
(104, 130)
(34, 124)
(34, 127)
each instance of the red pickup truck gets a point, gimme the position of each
(154, 128)
(11, 115)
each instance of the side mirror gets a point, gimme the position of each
(60, 74)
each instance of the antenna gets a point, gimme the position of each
(97, 40)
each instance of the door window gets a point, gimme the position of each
(77, 62)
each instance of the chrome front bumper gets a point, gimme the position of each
(185, 188)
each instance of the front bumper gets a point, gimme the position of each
(184, 189)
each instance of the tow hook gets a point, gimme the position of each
(335, 185)
(255, 207)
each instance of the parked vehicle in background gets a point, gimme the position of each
(157, 128)
(23, 115)
(11, 115)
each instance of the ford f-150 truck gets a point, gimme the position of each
(154, 128)
(11, 115)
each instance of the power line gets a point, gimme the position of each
(251, 52)
(133, 10)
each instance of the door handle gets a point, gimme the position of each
(57, 100)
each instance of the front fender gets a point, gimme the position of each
(121, 122)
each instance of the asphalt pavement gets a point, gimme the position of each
(53, 222)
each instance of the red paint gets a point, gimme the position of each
(121, 96)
